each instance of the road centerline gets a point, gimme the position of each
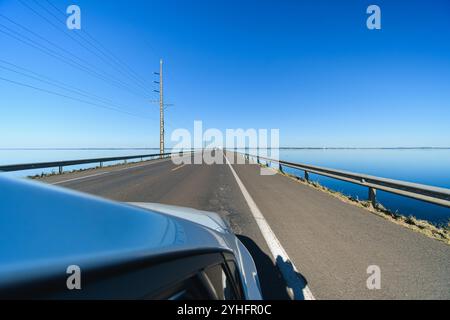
(179, 167)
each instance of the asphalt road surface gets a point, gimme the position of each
(331, 243)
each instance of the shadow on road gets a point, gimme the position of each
(295, 281)
(273, 285)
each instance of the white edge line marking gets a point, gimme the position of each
(80, 178)
(296, 285)
(118, 170)
(101, 173)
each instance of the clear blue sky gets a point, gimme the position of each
(309, 68)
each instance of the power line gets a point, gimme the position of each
(99, 47)
(56, 83)
(67, 60)
(51, 43)
(69, 97)
(71, 37)
(51, 80)
(103, 48)
(116, 58)
(81, 44)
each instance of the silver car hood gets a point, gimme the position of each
(214, 221)
(49, 228)
(207, 219)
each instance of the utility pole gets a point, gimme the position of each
(161, 108)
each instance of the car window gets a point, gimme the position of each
(221, 282)
(234, 272)
(205, 277)
(190, 289)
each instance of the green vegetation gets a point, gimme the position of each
(437, 232)
(55, 173)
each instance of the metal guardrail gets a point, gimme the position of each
(434, 195)
(61, 164)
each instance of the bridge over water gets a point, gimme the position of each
(330, 242)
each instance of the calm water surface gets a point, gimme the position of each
(427, 166)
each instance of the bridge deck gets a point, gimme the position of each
(330, 242)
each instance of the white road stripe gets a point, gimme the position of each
(296, 285)
(142, 165)
(80, 178)
(118, 170)
(179, 167)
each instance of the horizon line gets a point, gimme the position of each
(157, 148)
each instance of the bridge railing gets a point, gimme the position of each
(435, 195)
(61, 164)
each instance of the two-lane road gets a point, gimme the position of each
(203, 187)
(332, 243)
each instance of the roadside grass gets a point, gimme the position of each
(437, 232)
(44, 175)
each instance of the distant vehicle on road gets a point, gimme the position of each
(61, 244)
